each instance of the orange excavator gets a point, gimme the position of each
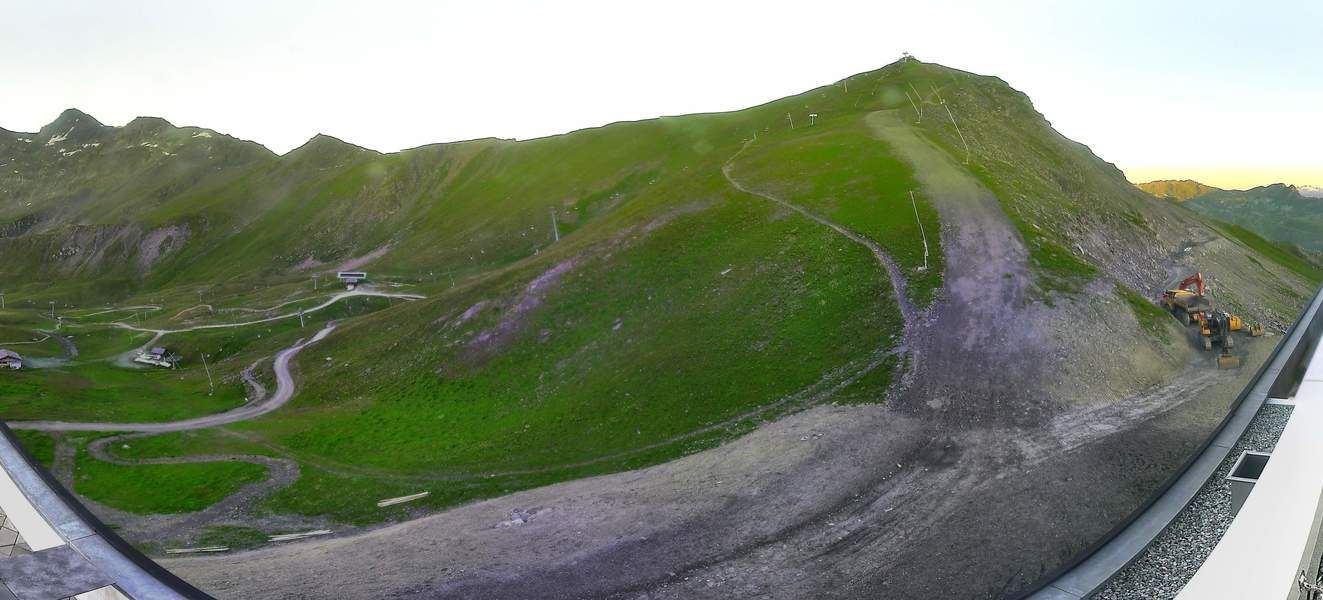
(1189, 304)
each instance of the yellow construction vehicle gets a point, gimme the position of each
(1215, 327)
(1187, 299)
(1189, 304)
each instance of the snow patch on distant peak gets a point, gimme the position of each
(60, 138)
(202, 134)
(1312, 191)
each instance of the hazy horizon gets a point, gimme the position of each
(405, 74)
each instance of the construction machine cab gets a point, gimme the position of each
(1215, 327)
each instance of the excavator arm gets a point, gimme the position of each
(1197, 280)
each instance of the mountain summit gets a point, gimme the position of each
(72, 127)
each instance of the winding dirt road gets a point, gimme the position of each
(281, 473)
(898, 282)
(284, 391)
(332, 300)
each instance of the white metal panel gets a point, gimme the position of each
(106, 593)
(27, 520)
(1257, 558)
(1315, 370)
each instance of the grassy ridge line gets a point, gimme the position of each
(296, 207)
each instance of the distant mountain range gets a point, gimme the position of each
(1311, 191)
(1181, 190)
(1280, 212)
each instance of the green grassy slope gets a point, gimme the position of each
(1274, 252)
(838, 169)
(157, 489)
(674, 312)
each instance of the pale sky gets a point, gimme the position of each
(1230, 93)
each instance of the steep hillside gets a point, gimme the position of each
(901, 305)
(1179, 190)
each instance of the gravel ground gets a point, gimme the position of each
(1172, 559)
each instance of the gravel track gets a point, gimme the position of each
(284, 382)
(333, 299)
(281, 473)
(66, 345)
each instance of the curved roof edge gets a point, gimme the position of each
(73, 546)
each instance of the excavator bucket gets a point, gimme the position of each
(1228, 361)
(1255, 330)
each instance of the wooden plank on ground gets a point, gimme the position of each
(285, 537)
(401, 499)
(196, 550)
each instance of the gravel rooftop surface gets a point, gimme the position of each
(1174, 556)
